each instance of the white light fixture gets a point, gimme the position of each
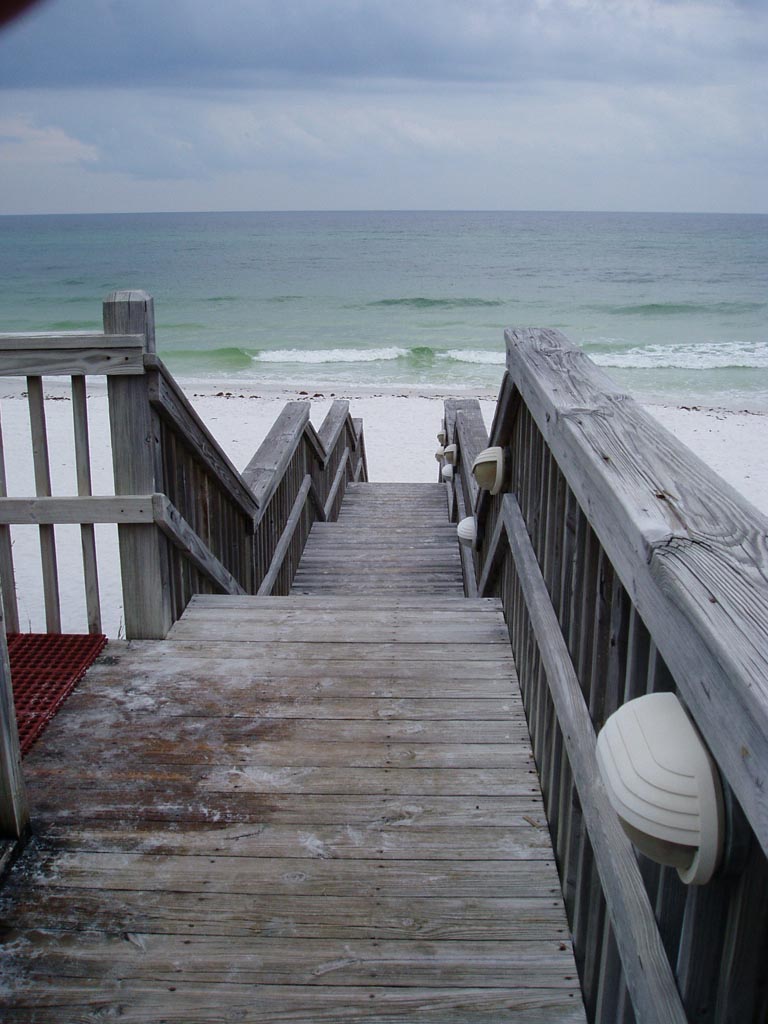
(488, 470)
(450, 454)
(440, 453)
(442, 437)
(447, 473)
(664, 785)
(467, 531)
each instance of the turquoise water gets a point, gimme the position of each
(672, 305)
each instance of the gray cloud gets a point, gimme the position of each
(259, 43)
(580, 104)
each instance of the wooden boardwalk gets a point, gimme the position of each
(313, 808)
(390, 539)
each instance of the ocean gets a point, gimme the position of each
(673, 306)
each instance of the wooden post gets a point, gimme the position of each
(14, 812)
(135, 431)
(7, 581)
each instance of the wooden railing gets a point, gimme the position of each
(188, 522)
(299, 476)
(625, 566)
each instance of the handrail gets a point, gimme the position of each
(299, 476)
(626, 566)
(688, 548)
(648, 973)
(172, 404)
(187, 521)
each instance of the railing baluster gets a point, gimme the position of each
(619, 533)
(42, 468)
(84, 488)
(7, 576)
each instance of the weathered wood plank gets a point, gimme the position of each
(7, 575)
(286, 538)
(14, 806)
(201, 1004)
(266, 468)
(172, 404)
(648, 974)
(338, 479)
(144, 557)
(104, 805)
(333, 424)
(181, 534)
(448, 602)
(66, 362)
(257, 842)
(300, 876)
(689, 550)
(198, 742)
(312, 962)
(42, 468)
(34, 341)
(93, 509)
(266, 915)
(84, 488)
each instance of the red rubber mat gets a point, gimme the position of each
(45, 668)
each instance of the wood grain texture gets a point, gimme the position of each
(388, 538)
(41, 462)
(205, 826)
(84, 488)
(14, 806)
(7, 574)
(689, 550)
(266, 468)
(648, 973)
(181, 534)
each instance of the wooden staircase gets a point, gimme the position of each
(388, 539)
(313, 808)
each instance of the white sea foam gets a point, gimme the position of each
(461, 355)
(705, 356)
(331, 355)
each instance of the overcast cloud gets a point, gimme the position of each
(312, 104)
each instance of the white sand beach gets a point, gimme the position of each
(400, 431)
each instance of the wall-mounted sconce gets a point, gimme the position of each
(467, 531)
(447, 473)
(440, 453)
(664, 785)
(442, 437)
(450, 454)
(488, 469)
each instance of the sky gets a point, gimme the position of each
(153, 105)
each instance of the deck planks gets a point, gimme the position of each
(296, 809)
(389, 538)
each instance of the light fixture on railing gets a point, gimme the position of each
(664, 785)
(450, 454)
(488, 469)
(467, 531)
(447, 473)
(442, 437)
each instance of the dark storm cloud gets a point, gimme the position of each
(248, 43)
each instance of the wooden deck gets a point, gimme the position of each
(311, 808)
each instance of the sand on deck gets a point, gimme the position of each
(400, 437)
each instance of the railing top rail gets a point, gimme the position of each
(169, 398)
(68, 339)
(71, 354)
(691, 552)
(334, 423)
(266, 468)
